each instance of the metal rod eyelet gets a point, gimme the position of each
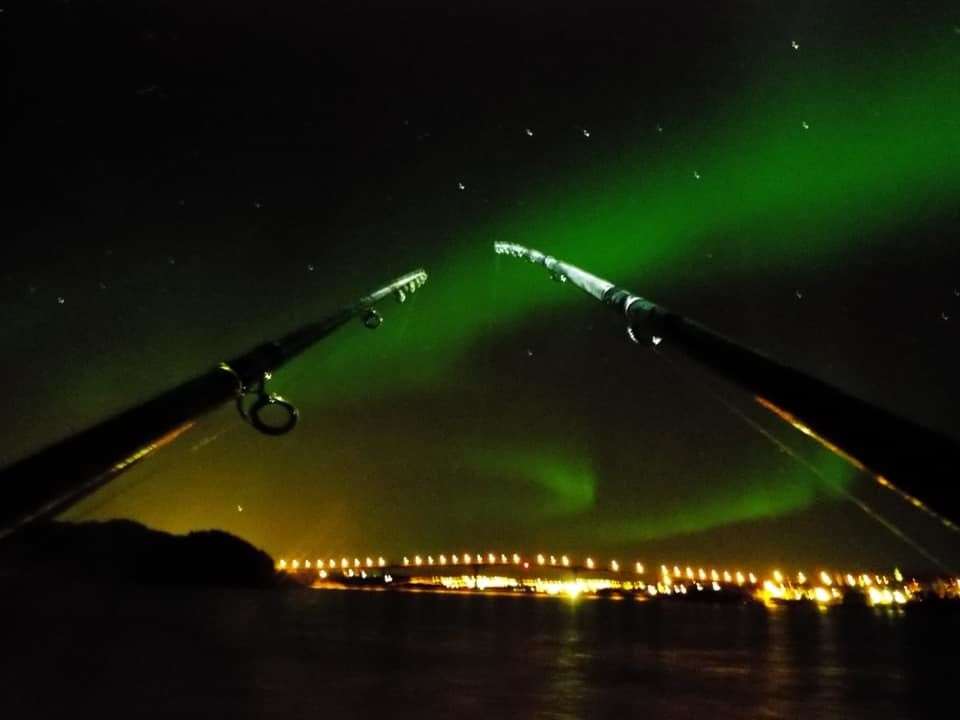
(263, 400)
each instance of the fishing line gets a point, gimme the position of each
(803, 462)
(94, 507)
(879, 479)
(123, 490)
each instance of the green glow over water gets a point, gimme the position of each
(784, 180)
(758, 494)
(564, 485)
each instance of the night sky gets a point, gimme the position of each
(187, 179)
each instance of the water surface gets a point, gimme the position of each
(160, 652)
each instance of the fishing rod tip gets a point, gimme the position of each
(518, 251)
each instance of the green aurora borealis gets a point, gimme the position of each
(435, 433)
(762, 187)
(891, 140)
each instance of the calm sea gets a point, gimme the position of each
(94, 651)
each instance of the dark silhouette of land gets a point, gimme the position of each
(126, 551)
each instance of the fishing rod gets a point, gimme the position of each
(921, 465)
(45, 484)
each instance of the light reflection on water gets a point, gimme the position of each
(157, 652)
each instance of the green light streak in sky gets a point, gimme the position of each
(758, 495)
(566, 486)
(881, 151)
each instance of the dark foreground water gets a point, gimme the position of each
(167, 652)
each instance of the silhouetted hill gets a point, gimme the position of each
(126, 551)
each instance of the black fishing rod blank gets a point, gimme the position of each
(918, 463)
(43, 485)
